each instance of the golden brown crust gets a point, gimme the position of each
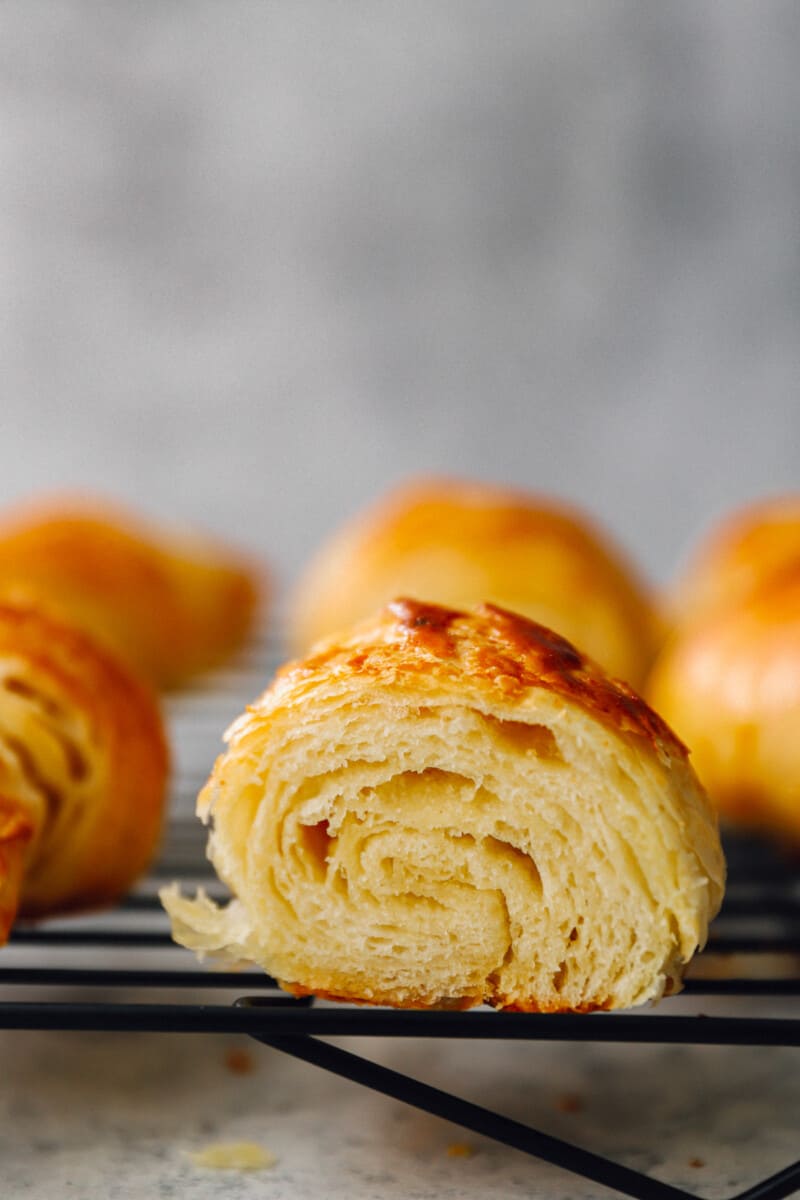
(422, 1003)
(443, 809)
(169, 605)
(755, 547)
(83, 766)
(729, 676)
(730, 682)
(492, 648)
(458, 544)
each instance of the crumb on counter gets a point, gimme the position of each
(239, 1062)
(570, 1102)
(460, 1150)
(697, 1162)
(233, 1156)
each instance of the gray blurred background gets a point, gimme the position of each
(259, 260)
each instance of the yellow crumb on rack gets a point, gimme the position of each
(460, 1150)
(233, 1156)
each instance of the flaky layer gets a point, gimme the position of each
(83, 767)
(445, 809)
(459, 543)
(169, 604)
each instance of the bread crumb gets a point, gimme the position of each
(570, 1102)
(507, 684)
(233, 1156)
(239, 1062)
(460, 1150)
(697, 1162)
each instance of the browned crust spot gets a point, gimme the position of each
(450, 1004)
(509, 652)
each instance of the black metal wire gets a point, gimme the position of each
(44, 936)
(265, 1016)
(234, 980)
(775, 1187)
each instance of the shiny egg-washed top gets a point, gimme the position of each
(489, 647)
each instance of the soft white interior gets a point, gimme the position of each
(541, 862)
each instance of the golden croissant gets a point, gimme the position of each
(449, 809)
(83, 766)
(169, 604)
(457, 544)
(753, 547)
(728, 677)
(730, 683)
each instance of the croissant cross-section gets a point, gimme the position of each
(443, 809)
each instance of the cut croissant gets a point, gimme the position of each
(451, 809)
(458, 543)
(83, 767)
(170, 604)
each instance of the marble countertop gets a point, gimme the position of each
(118, 1116)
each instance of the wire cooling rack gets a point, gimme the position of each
(754, 951)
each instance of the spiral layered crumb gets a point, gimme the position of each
(83, 768)
(457, 544)
(170, 604)
(443, 809)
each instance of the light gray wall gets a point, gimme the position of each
(258, 260)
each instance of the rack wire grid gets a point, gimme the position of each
(753, 951)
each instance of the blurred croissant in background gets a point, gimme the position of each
(751, 549)
(728, 678)
(83, 769)
(170, 604)
(459, 544)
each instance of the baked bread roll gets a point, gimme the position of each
(169, 604)
(728, 678)
(83, 767)
(755, 546)
(441, 809)
(458, 544)
(729, 682)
